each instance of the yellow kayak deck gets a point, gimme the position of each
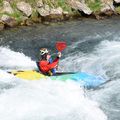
(28, 74)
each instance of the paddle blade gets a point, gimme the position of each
(60, 46)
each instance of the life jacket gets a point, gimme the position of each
(46, 67)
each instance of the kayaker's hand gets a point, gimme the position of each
(59, 54)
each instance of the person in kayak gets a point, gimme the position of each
(46, 65)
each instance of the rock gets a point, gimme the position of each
(46, 7)
(5, 18)
(98, 17)
(9, 21)
(35, 17)
(44, 11)
(23, 22)
(65, 12)
(25, 8)
(54, 18)
(66, 15)
(75, 4)
(40, 4)
(7, 7)
(1, 25)
(117, 1)
(57, 11)
(55, 15)
(46, 23)
(29, 22)
(26, 21)
(37, 20)
(107, 5)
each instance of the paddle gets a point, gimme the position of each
(60, 46)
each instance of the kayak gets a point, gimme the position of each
(85, 79)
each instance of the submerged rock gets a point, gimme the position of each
(81, 6)
(25, 8)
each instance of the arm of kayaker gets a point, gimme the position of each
(53, 64)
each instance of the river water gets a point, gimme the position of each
(92, 46)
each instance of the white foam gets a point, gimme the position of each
(41, 100)
(15, 60)
(44, 99)
(104, 61)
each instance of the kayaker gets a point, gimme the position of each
(46, 66)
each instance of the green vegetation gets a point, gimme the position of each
(13, 4)
(34, 15)
(117, 9)
(17, 14)
(1, 3)
(94, 6)
(31, 2)
(49, 2)
(64, 6)
(58, 3)
(1, 14)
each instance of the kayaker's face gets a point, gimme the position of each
(48, 57)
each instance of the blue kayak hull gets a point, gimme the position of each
(84, 79)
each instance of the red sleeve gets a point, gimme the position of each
(53, 64)
(45, 66)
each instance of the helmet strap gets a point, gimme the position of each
(44, 57)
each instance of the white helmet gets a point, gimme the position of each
(43, 51)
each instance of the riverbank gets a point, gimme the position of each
(27, 12)
(90, 43)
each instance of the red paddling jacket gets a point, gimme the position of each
(45, 66)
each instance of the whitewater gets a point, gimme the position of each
(95, 52)
(44, 99)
